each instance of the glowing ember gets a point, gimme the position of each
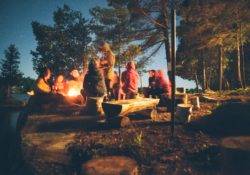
(74, 92)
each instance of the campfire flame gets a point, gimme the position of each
(73, 92)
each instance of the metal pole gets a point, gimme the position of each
(173, 63)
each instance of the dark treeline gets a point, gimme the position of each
(214, 43)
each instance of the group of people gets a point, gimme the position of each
(60, 85)
(110, 85)
(118, 88)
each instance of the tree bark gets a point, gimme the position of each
(204, 82)
(238, 63)
(243, 72)
(167, 49)
(197, 83)
(164, 11)
(221, 67)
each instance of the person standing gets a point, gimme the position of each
(107, 63)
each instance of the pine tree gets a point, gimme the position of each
(9, 70)
(147, 23)
(62, 46)
(212, 32)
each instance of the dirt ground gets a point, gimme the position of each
(193, 150)
(151, 145)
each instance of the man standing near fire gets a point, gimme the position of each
(107, 63)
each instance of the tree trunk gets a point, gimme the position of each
(221, 67)
(243, 67)
(238, 64)
(204, 82)
(140, 80)
(243, 72)
(209, 79)
(167, 50)
(197, 83)
(164, 11)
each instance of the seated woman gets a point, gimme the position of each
(42, 85)
(74, 86)
(130, 79)
(76, 80)
(60, 85)
(43, 94)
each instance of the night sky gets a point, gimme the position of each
(15, 28)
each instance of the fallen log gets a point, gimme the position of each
(110, 165)
(148, 113)
(153, 114)
(55, 123)
(117, 122)
(126, 107)
(206, 98)
(236, 155)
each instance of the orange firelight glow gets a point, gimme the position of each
(73, 92)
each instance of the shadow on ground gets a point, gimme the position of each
(229, 119)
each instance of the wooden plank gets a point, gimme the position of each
(125, 107)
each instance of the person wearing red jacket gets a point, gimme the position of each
(163, 83)
(130, 79)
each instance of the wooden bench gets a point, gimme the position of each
(123, 108)
(116, 112)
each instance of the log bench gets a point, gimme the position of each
(125, 107)
(117, 112)
(56, 123)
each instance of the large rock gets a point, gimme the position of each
(236, 155)
(110, 165)
(48, 147)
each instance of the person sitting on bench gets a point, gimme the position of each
(163, 88)
(130, 79)
(152, 84)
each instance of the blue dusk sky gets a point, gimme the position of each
(15, 28)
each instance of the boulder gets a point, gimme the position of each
(110, 165)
